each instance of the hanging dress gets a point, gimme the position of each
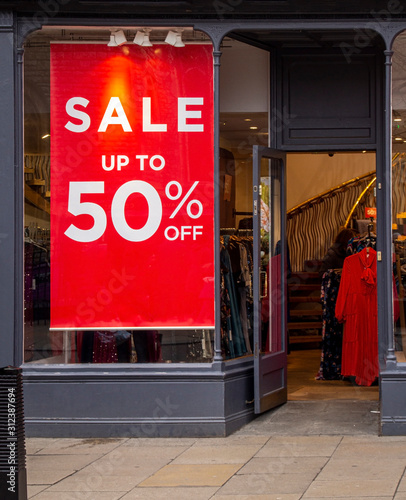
(356, 307)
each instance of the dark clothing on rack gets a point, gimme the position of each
(236, 327)
(147, 345)
(332, 330)
(358, 243)
(227, 346)
(236, 298)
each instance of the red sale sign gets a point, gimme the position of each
(370, 212)
(132, 204)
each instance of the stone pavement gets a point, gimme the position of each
(309, 450)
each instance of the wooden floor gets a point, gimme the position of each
(303, 366)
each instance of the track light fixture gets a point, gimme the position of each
(117, 38)
(142, 38)
(174, 38)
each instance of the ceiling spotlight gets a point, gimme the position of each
(142, 38)
(396, 116)
(174, 38)
(117, 38)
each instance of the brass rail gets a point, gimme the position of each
(329, 192)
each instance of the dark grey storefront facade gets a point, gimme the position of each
(350, 45)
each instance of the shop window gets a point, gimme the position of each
(399, 192)
(117, 322)
(244, 116)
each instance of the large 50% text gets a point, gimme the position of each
(78, 207)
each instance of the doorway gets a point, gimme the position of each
(325, 190)
(310, 399)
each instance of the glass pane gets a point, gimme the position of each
(91, 345)
(244, 104)
(399, 193)
(271, 256)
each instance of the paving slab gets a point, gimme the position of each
(184, 493)
(300, 446)
(378, 497)
(137, 472)
(219, 454)
(141, 454)
(276, 496)
(374, 446)
(33, 445)
(33, 490)
(355, 488)
(68, 446)
(402, 485)
(47, 476)
(56, 462)
(159, 442)
(367, 467)
(267, 484)
(279, 465)
(192, 475)
(85, 481)
(233, 440)
(81, 495)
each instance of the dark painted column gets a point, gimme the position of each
(384, 221)
(8, 168)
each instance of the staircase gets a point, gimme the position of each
(305, 313)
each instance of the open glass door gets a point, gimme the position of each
(269, 279)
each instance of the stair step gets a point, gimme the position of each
(304, 299)
(303, 275)
(36, 182)
(305, 312)
(304, 325)
(299, 339)
(300, 287)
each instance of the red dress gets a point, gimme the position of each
(357, 307)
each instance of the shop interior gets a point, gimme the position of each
(324, 191)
